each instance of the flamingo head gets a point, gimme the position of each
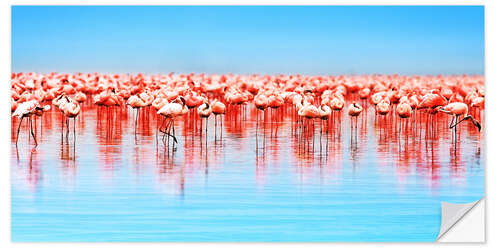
(180, 100)
(308, 91)
(474, 122)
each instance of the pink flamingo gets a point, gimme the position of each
(324, 114)
(261, 102)
(71, 109)
(218, 108)
(457, 109)
(204, 111)
(27, 109)
(171, 111)
(353, 111)
(136, 103)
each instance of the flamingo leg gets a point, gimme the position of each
(327, 127)
(74, 128)
(173, 130)
(320, 135)
(160, 129)
(62, 126)
(165, 130)
(201, 127)
(67, 128)
(458, 122)
(456, 134)
(257, 131)
(156, 131)
(19, 127)
(136, 118)
(215, 127)
(451, 122)
(162, 124)
(32, 133)
(264, 129)
(169, 127)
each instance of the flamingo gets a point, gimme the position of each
(204, 111)
(337, 103)
(159, 102)
(310, 97)
(27, 109)
(364, 93)
(353, 111)
(171, 111)
(457, 109)
(309, 111)
(324, 114)
(71, 109)
(13, 105)
(136, 103)
(403, 109)
(218, 108)
(383, 107)
(275, 101)
(80, 97)
(432, 102)
(261, 102)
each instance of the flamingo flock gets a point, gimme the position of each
(196, 97)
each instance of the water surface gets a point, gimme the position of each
(376, 182)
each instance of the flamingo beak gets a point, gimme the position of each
(476, 123)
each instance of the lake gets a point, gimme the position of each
(381, 181)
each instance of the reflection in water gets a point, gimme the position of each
(249, 156)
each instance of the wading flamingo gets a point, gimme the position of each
(309, 112)
(324, 114)
(353, 111)
(218, 108)
(383, 107)
(457, 109)
(261, 102)
(204, 111)
(171, 111)
(71, 109)
(136, 103)
(432, 102)
(26, 110)
(403, 109)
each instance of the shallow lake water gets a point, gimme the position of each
(376, 182)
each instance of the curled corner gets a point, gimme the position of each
(451, 213)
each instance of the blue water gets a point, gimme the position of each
(111, 188)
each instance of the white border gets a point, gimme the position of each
(492, 69)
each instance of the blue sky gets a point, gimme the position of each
(272, 39)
